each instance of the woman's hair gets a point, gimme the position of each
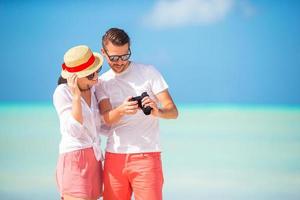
(61, 80)
(116, 36)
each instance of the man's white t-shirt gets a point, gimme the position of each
(136, 133)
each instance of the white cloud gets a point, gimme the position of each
(174, 13)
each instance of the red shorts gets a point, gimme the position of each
(79, 174)
(140, 173)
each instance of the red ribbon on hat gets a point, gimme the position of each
(79, 67)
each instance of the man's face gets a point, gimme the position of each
(116, 56)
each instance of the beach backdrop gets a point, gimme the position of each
(232, 67)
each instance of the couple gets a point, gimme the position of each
(84, 104)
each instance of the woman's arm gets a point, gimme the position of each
(76, 99)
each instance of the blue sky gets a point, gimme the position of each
(209, 51)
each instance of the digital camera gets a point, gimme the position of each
(146, 110)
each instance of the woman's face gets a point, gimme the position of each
(87, 82)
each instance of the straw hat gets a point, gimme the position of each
(82, 61)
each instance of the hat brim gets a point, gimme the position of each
(94, 67)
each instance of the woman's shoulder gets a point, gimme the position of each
(61, 90)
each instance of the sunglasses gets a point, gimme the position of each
(92, 76)
(115, 58)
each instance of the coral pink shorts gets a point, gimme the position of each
(79, 174)
(138, 173)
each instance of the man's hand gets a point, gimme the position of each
(167, 109)
(128, 107)
(147, 101)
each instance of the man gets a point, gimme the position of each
(132, 159)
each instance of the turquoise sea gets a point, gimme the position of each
(211, 152)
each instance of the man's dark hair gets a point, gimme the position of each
(116, 36)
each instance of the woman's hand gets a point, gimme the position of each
(76, 102)
(72, 83)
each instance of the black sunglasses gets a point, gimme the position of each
(91, 76)
(115, 58)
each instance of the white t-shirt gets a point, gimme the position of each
(77, 136)
(139, 132)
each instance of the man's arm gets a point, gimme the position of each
(111, 116)
(168, 108)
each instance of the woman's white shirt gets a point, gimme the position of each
(76, 136)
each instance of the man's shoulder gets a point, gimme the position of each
(106, 75)
(143, 67)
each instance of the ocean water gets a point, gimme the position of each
(210, 152)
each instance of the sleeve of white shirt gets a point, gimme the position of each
(100, 91)
(101, 127)
(157, 81)
(63, 105)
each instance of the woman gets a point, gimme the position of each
(79, 166)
